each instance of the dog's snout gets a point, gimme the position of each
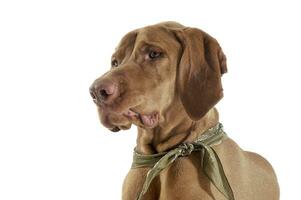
(103, 92)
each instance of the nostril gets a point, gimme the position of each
(93, 95)
(106, 91)
(103, 94)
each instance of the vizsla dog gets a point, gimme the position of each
(166, 79)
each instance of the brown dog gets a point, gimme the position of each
(166, 79)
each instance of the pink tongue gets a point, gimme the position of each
(148, 120)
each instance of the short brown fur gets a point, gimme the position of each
(182, 86)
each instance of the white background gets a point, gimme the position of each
(51, 143)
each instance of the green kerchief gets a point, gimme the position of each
(211, 164)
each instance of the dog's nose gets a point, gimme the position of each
(103, 92)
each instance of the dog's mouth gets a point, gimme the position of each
(148, 120)
(115, 121)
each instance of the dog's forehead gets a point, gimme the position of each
(155, 33)
(159, 35)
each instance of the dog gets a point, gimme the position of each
(166, 79)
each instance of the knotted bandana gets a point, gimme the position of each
(211, 164)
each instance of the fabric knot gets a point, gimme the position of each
(212, 165)
(186, 149)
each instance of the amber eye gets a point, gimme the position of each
(154, 54)
(114, 63)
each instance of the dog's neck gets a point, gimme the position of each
(174, 129)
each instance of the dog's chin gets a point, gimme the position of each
(114, 127)
(113, 121)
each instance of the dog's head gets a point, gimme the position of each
(157, 66)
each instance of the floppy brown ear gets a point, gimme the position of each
(199, 72)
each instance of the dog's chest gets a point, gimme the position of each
(184, 179)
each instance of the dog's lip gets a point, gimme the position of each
(130, 113)
(149, 120)
(115, 129)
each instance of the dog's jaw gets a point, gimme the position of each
(148, 120)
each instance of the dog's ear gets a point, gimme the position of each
(199, 71)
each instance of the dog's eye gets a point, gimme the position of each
(154, 54)
(114, 63)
